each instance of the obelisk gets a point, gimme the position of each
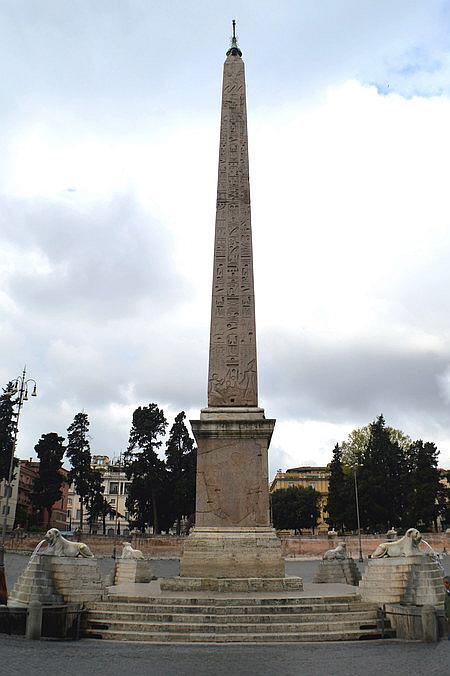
(232, 537)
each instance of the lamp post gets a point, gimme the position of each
(357, 516)
(21, 385)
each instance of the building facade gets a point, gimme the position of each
(314, 477)
(115, 484)
(21, 513)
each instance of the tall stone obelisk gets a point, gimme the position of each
(232, 537)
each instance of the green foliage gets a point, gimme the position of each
(181, 459)
(358, 440)
(399, 481)
(47, 485)
(382, 479)
(7, 427)
(424, 502)
(295, 508)
(146, 497)
(79, 454)
(341, 505)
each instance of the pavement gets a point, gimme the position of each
(19, 657)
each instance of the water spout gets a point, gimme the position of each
(36, 549)
(433, 554)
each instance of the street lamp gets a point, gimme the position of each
(357, 517)
(21, 387)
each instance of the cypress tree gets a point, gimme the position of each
(79, 454)
(181, 456)
(7, 428)
(47, 485)
(143, 466)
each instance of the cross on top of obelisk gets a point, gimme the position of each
(234, 49)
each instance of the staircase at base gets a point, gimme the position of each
(188, 620)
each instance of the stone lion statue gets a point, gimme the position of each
(408, 545)
(339, 553)
(61, 547)
(129, 553)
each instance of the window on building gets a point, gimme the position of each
(69, 502)
(68, 513)
(114, 488)
(126, 516)
(112, 517)
(112, 501)
(126, 488)
(78, 514)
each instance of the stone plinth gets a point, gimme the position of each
(34, 584)
(77, 580)
(344, 571)
(232, 469)
(131, 570)
(408, 621)
(55, 580)
(232, 553)
(415, 580)
(239, 584)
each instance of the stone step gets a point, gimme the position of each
(244, 628)
(257, 618)
(207, 608)
(235, 600)
(235, 637)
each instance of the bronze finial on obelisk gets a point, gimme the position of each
(232, 379)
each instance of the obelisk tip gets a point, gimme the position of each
(234, 49)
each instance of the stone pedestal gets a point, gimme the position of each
(131, 570)
(232, 553)
(78, 580)
(34, 584)
(344, 571)
(414, 580)
(232, 537)
(54, 580)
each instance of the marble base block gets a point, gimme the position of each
(58, 579)
(415, 580)
(232, 553)
(240, 584)
(130, 570)
(343, 571)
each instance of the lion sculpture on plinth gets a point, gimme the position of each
(339, 553)
(129, 553)
(408, 545)
(59, 546)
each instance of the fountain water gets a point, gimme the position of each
(36, 549)
(434, 555)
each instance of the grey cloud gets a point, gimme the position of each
(307, 380)
(102, 263)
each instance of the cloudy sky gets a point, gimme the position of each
(109, 124)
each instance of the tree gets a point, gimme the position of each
(7, 428)
(97, 504)
(295, 508)
(79, 454)
(47, 485)
(341, 496)
(143, 466)
(358, 440)
(181, 460)
(423, 503)
(382, 479)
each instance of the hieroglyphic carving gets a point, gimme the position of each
(232, 377)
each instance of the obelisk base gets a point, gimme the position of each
(232, 553)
